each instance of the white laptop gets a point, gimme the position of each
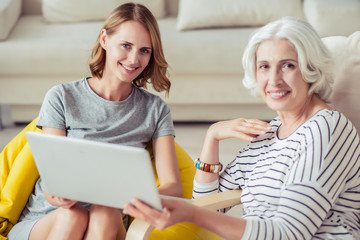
(94, 172)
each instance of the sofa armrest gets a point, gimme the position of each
(141, 230)
(219, 200)
(10, 11)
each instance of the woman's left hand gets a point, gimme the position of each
(175, 211)
(241, 128)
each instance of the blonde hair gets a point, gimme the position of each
(314, 58)
(156, 70)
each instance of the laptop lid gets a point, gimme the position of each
(94, 172)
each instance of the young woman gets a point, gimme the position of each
(111, 106)
(300, 174)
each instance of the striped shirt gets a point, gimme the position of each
(306, 186)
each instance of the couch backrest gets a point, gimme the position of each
(31, 7)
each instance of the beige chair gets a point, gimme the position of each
(345, 98)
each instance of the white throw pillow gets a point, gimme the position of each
(346, 70)
(56, 11)
(233, 13)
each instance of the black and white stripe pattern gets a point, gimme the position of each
(302, 187)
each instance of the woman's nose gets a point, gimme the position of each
(133, 57)
(276, 77)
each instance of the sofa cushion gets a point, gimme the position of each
(233, 13)
(346, 54)
(205, 51)
(48, 49)
(9, 13)
(333, 17)
(87, 10)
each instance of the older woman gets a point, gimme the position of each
(299, 174)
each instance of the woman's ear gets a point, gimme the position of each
(103, 38)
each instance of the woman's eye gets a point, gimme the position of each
(124, 45)
(263, 66)
(287, 67)
(145, 50)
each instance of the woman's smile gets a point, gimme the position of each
(278, 94)
(128, 68)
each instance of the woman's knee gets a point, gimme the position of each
(108, 217)
(76, 216)
(68, 223)
(105, 221)
(105, 213)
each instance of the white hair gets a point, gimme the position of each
(314, 58)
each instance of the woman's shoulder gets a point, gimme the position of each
(324, 120)
(328, 117)
(147, 96)
(68, 86)
(331, 121)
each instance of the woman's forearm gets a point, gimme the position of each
(167, 166)
(226, 226)
(171, 189)
(209, 155)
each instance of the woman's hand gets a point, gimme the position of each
(245, 129)
(64, 202)
(175, 211)
(60, 202)
(241, 128)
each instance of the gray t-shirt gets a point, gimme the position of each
(75, 108)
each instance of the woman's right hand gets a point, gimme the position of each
(60, 202)
(175, 211)
(64, 202)
(242, 128)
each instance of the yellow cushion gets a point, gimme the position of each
(16, 185)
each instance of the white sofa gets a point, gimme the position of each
(42, 45)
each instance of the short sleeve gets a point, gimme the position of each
(165, 125)
(52, 112)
